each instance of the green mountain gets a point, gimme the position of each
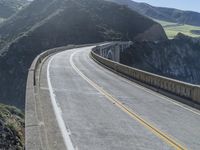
(161, 13)
(46, 24)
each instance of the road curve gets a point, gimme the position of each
(99, 110)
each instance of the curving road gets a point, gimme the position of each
(99, 110)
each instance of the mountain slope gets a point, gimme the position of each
(9, 7)
(165, 14)
(50, 23)
(177, 58)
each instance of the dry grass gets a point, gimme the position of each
(172, 29)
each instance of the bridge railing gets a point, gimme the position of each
(32, 123)
(174, 87)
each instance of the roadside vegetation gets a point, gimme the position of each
(172, 29)
(11, 128)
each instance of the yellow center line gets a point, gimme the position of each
(168, 139)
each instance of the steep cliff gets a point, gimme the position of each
(177, 58)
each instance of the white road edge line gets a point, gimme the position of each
(184, 106)
(97, 88)
(57, 110)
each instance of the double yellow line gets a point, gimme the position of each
(130, 112)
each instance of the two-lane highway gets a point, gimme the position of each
(99, 110)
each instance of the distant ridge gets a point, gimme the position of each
(161, 13)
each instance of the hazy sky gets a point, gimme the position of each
(193, 5)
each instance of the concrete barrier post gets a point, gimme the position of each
(196, 94)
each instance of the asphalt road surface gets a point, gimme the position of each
(99, 110)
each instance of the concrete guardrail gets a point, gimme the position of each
(175, 87)
(32, 125)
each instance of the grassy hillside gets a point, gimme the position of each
(172, 29)
(11, 128)
(47, 24)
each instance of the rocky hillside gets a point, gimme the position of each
(177, 58)
(160, 13)
(196, 32)
(46, 24)
(9, 7)
(11, 128)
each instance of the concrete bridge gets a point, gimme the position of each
(112, 51)
(80, 97)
